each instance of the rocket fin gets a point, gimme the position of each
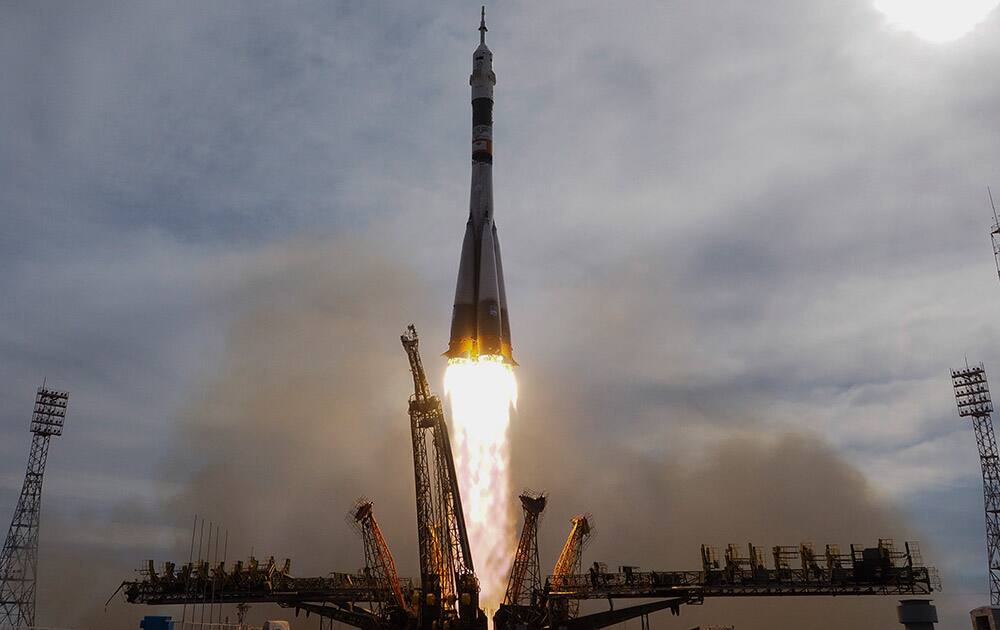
(506, 348)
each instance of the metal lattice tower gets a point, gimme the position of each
(526, 568)
(19, 561)
(569, 563)
(426, 412)
(972, 394)
(378, 559)
(445, 554)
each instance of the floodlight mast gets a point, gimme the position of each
(19, 559)
(972, 395)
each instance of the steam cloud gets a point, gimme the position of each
(307, 411)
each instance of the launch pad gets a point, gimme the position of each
(446, 595)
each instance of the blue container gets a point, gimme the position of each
(155, 622)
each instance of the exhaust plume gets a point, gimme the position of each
(306, 410)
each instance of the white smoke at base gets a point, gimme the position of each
(482, 393)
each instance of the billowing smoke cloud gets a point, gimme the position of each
(307, 411)
(655, 512)
(722, 222)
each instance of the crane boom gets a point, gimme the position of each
(572, 551)
(378, 558)
(568, 564)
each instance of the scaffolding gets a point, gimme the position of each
(884, 569)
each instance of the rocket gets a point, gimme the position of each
(479, 321)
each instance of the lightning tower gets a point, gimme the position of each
(19, 561)
(995, 232)
(972, 394)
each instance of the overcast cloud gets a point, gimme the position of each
(738, 237)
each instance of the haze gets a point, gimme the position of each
(743, 245)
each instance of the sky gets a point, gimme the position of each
(743, 243)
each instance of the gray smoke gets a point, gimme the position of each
(307, 411)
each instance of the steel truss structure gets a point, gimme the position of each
(19, 559)
(972, 395)
(525, 581)
(880, 570)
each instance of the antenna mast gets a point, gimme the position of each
(995, 232)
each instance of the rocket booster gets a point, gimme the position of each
(479, 323)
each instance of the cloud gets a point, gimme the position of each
(720, 222)
(307, 412)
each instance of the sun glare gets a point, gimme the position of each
(936, 21)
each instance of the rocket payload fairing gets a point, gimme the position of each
(479, 323)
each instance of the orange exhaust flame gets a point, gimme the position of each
(482, 393)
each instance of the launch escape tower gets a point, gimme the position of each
(972, 395)
(19, 560)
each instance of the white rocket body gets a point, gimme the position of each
(479, 324)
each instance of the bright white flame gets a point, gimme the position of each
(936, 20)
(482, 393)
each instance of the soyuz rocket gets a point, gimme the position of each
(479, 323)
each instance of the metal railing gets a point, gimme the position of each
(194, 625)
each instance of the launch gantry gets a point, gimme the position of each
(880, 570)
(447, 594)
(526, 570)
(524, 587)
(568, 564)
(450, 594)
(379, 561)
(446, 597)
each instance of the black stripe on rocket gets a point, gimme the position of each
(479, 322)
